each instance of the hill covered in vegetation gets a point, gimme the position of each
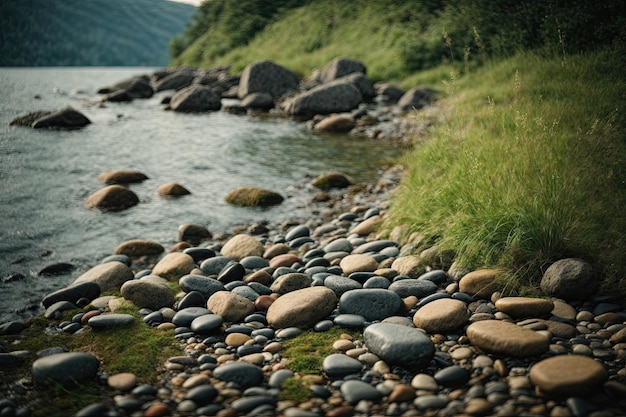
(89, 33)
(394, 38)
(525, 161)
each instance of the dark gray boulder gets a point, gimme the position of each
(416, 98)
(195, 98)
(260, 101)
(340, 67)
(175, 81)
(73, 293)
(65, 118)
(267, 77)
(134, 87)
(362, 83)
(67, 369)
(335, 97)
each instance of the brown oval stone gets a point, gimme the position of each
(172, 189)
(441, 316)
(285, 259)
(122, 176)
(139, 247)
(89, 315)
(236, 339)
(523, 307)
(506, 339)
(157, 410)
(263, 302)
(112, 198)
(302, 308)
(261, 276)
(367, 226)
(568, 375)
(480, 283)
(358, 263)
(174, 265)
(401, 393)
(240, 246)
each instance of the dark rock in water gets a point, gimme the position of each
(399, 345)
(372, 304)
(202, 394)
(134, 87)
(13, 277)
(329, 180)
(336, 97)
(66, 118)
(260, 101)
(266, 77)
(253, 197)
(55, 309)
(418, 288)
(56, 269)
(12, 327)
(338, 365)
(122, 176)
(119, 96)
(107, 321)
(243, 374)
(67, 369)
(73, 293)
(175, 81)
(195, 98)
(354, 391)
(112, 198)
(194, 234)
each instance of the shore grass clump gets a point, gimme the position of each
(529, 167)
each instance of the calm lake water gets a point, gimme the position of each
(45, 175)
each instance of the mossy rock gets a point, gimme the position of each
(329, 180)
(253, 197)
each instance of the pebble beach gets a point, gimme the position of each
(417, 336)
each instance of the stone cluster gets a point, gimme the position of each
(430, 340)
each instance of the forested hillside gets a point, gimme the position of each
(394, 38)
(89, 33)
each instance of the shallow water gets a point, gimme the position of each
(45, 175)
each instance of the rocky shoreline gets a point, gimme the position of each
(413, 334)
(420, 337)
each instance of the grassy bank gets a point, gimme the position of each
(529, 166)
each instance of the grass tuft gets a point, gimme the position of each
(529, 167)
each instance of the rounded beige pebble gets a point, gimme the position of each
(343, 345)
(123, 382)
(441, 316)
(236, 339)
(478, 407)
(196, 380)
(523, 307)
(506, 339)
(568, 376)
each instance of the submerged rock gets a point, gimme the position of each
(112, 198)
(65, 118)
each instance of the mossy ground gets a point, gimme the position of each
(138, 349)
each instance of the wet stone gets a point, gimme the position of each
(412, 287)
(340, 284)
(107, 321)
(354, 391)
(397, 344)
(206, 323)
(452, 376)
(372, 304)
(186, 316)
(338, 365)
(191, 299)
(202, 394)
(65, 368)
(350, 321)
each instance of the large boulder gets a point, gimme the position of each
(336, 97)
(570, 279)
(134, 87)
(112, 198)
(266, 77)
(339, 67)
(175, 81)
(416, 98)
(362, 83)
(195, 98)
(65, 118)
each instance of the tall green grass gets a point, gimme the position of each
(529, 167)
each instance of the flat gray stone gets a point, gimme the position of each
(65, 368)
(399, 345)
(106, 321)
(243, 374)
(373, 304)
(354, 391)
(338, 365)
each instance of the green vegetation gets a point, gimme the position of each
(395, 38)
(528, 167)
(307, 351)
(138, 349)
(89, 33)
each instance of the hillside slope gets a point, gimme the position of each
(89, 33)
